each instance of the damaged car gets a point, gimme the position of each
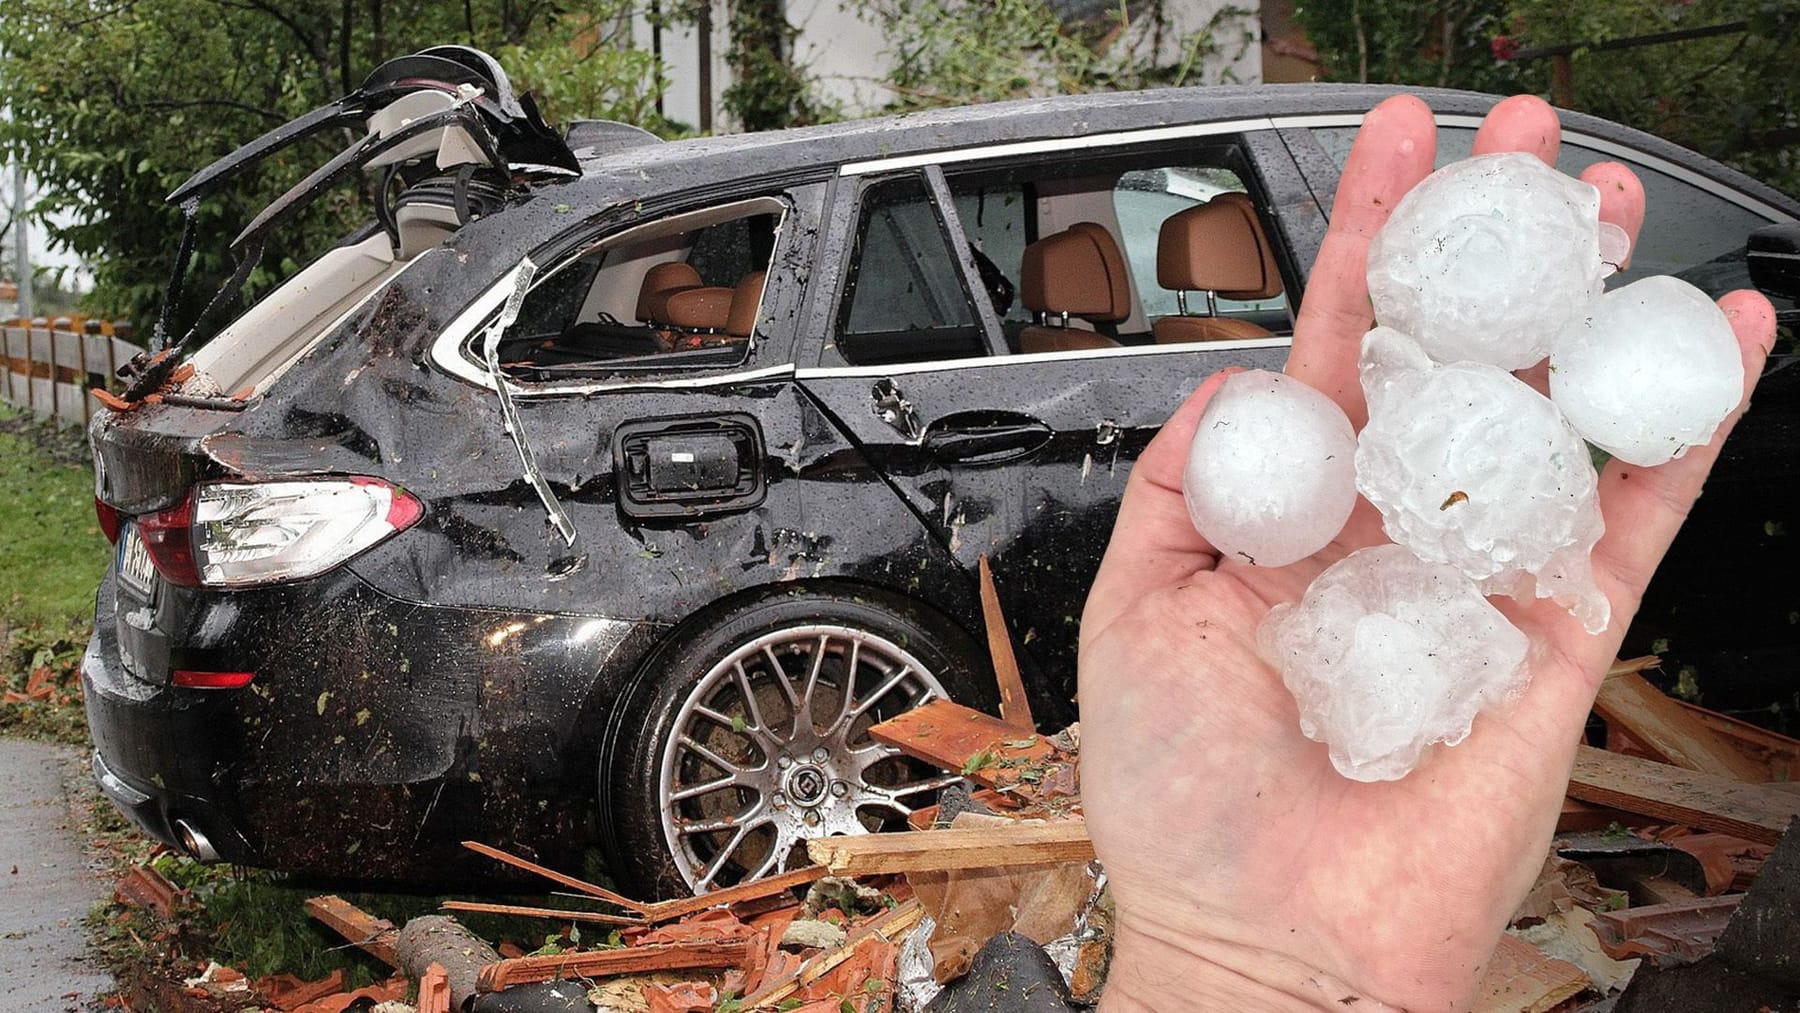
(605, 491)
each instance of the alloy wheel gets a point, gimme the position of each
(771, 748)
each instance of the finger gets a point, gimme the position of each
(1621, 204)
(1621, 200)
(1644, 507)
(1393, 151)
(1154, 544)
(1520, 123)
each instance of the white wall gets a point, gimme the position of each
(845, 53)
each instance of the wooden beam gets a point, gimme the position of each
(374, 936)
(1015, 709)
(1020, 844)
(551, 874)
(601, 963)
(1664, 728)
(1779, 753)
(553, 914)
(1668, 793)
(668, 910)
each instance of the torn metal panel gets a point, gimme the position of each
(490, 351)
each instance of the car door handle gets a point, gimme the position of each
(986, 437)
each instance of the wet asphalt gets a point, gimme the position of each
(47, 882)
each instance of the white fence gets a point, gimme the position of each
(48, 370)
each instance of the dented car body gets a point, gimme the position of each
(611, 506)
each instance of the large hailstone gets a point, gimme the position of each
(1469, 466)
(1487, 259)
(1270, 475)
(1649, 371)
(1387, 654)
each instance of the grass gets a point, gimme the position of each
(51, 558)
(53, 553)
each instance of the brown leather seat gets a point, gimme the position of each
(660, 282)
(1216, 247)
(705, 308)
(745, 298)
(1078, 272)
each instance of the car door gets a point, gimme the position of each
(1018, 457)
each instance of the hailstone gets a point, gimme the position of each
(1387, 654)
(1649, 371)
(1270, 475)
(1487, 259)
(1471, 467)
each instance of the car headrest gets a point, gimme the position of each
(1078, 271)
(1217, 246)
(659, 282)
(745, 298)
(699, 309)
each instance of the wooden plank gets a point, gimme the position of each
(1520, 978)
(551, 874)
(553, 914)
(1671, 794)
(374, 936)
(1671, 733)
(1019, 844)
(957, 738)
(1780, 754)
(667, 910)
(1015, 708)
(603, 963)
(891, 926)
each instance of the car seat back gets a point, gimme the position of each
(1078, 272)
(1217, 248)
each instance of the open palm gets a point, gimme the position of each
(1248, 873)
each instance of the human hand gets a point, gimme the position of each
(1248, 873)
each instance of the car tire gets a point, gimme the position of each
(709, 779)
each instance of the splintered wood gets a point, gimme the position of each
(1672, 795)
(1667, 731)
(374, 936)
(630, 960)
(1017, 844)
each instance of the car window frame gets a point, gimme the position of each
(1261, 148)
(455, 351)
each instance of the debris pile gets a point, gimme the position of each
(1664, 884)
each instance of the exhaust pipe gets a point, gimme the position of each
(194, 842)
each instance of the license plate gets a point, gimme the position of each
(134, 561)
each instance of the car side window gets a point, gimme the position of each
(1144, 199)
(1067, 248)
(684, 292)
(903, 298)
(1689, 232)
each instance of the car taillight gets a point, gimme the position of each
(110, 521)
(264, 532)
(165, 537)
(211, 680)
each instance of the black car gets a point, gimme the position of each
(606, 491)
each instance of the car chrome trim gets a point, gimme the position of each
(1580, 140)
(1054, 144)
(940, 365)
(114, 786)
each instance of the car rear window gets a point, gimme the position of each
(904, 299)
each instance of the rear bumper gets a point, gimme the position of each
(376, 735)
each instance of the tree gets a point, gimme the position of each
(1651, 64)
(948, 52)
(114, 104)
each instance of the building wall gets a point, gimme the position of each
(845, 54)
